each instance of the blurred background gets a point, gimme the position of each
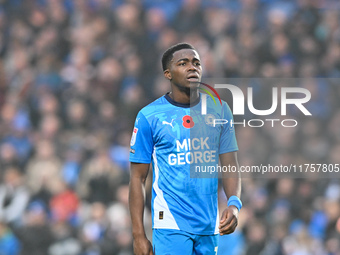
(74, 74)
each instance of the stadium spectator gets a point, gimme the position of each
(9, 243)
(14, 197)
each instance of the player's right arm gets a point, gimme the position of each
(140, 157)
(139, 172)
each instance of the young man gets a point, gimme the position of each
(184, 209)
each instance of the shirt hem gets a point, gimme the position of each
(140, 161)
(231, 150)
(202, 233)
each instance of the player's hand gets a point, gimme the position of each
(142, 246)
(229, 220)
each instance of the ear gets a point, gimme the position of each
(167, 74)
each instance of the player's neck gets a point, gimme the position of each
(184, 95)
(184, 98)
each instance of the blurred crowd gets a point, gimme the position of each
(73, 75)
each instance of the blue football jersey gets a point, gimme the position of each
(180, 142)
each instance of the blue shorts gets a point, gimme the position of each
(177, 242)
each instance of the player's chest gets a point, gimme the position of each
(171, 128)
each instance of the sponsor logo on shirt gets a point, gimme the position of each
(189, 151)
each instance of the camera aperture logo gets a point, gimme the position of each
(239, 105)
(208, 92)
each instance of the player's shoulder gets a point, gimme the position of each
(217, 102)
(154, 107)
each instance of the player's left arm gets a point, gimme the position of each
(232, 187)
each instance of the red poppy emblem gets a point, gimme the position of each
(188, 122)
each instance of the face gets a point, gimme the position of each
(184, 69)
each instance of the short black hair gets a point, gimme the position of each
(169, 53)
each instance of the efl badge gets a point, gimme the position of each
(133, 138)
